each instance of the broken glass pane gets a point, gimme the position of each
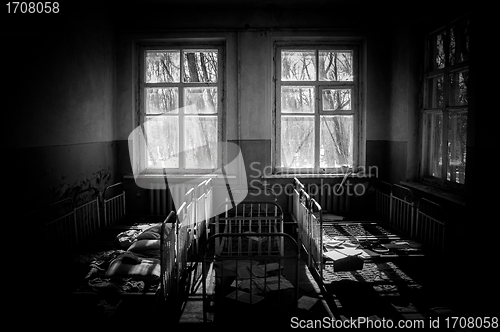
(200, 100)
(336, 141)
(336, 99)
(298, 65)
(162, 66)
(162, 100)
(297, 99)
(201, 142)
(162, 138)
(335, 66)
(297, 141)
(458, 88)
(457, 140)
(200, 66)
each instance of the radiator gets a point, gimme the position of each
(162, 201)
(333, 198)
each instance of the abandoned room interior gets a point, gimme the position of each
(145, 140)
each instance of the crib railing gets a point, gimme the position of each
(383, 200)
(418, 218)
(430, 225)
(169, 257)
(61, 232)
(88, 219)
(250, 217)
(67, 224)
(316, 236)
(300, 211)
(203, 205)
(114, 205)
(402, 210)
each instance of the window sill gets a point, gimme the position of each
(316, 176)
(437, 192)
(183, 177)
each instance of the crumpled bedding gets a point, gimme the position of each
(94, 266)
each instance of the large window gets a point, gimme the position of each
(180, 93)
(446, 104)
(316, 107)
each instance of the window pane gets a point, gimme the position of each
(335, 66)
(433, 137)
(200, 66)
(298, 65)
(201, 142)
(200, 100)
(437, 50)
(458, 88)
(162, 100)
(297, 141)
(336, 145)
(297, 99)
(162, 137)
(457, 139)
(336, 99)
(435, 92)
(162, 66)
(459, 43)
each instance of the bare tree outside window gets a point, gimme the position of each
(316, 108)
(181, 107)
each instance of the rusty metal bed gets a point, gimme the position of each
(250, 267)
(151, 278)
(84, 238)
(405, 232)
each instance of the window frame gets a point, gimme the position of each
(445, 110)
(356, 103)
(141, 85)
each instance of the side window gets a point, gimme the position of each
(444, 117)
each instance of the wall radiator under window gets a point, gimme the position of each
(337, 198)
(162, 201)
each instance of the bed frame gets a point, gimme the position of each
(252, 217)
(68, 224)
(250, 267)
(397, 220)
(161, 291)
(89, 224)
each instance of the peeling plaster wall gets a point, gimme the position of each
(59, 111)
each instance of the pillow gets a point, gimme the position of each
(156, 228)
(146, 270)
(144, 245)
(148, 248)
(149, 235)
